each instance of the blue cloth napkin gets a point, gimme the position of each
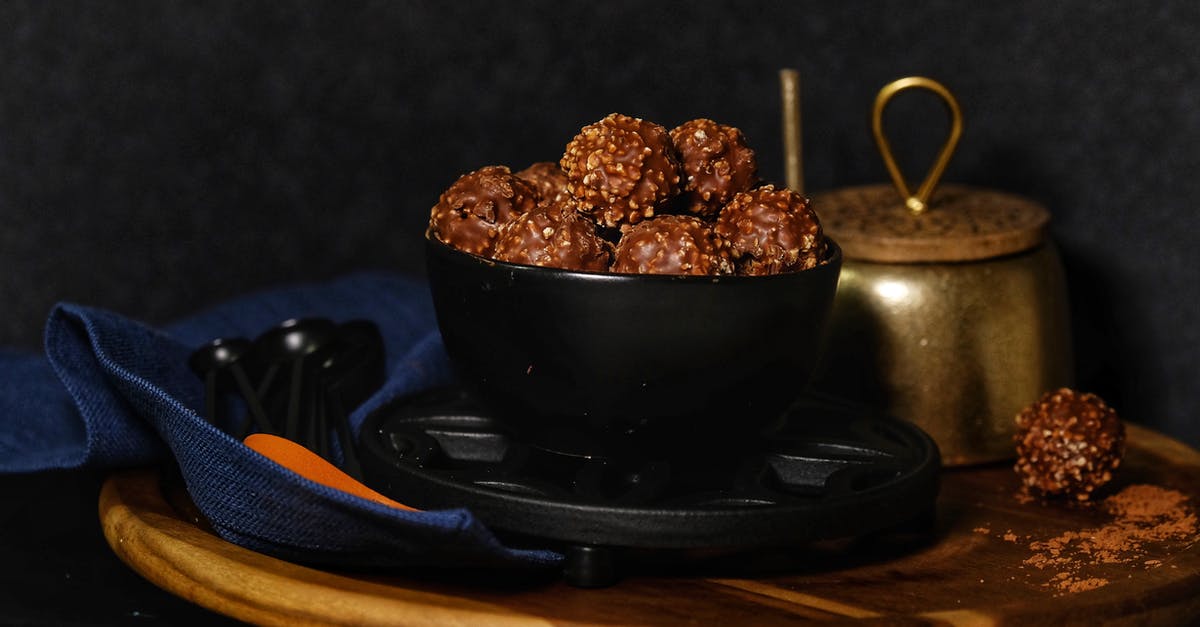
(112, 392)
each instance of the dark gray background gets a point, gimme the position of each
(156, 157)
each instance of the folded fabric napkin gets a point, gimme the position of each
(112, 392)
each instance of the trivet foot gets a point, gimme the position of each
(590, 566)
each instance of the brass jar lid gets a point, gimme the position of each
(962, 223)
(931, 224)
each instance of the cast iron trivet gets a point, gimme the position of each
(831, 472)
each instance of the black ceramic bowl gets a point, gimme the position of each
(598, 364)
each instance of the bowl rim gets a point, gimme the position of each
(832, 258)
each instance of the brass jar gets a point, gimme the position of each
(951, 311)
(956, 346)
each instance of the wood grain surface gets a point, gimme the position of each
(977, 566)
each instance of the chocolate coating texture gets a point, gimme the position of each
(550, 181)
(555, 236)
(620, 168)
(1068, 444)
(770, 231)
(469, 213)
(671, 244)
(716, 162)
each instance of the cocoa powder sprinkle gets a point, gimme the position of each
(1142, 515)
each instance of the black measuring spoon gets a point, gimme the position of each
(224, 355)
(292, 345)
(351, 375)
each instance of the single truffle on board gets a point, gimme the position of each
(555, 236)
(717, 164)
(549, 179)
(620, 168)
(469, 212)
(671, 244)
(771, 231)
(1068, 444)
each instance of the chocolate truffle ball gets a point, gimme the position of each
(555, 236)
(717, 164)
(1068, 444)
(549, 179)
(620, 168)
(471, 210)
(770, 231)
(671, 245)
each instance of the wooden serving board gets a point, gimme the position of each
(980, 566)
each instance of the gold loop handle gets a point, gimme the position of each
(919, 201)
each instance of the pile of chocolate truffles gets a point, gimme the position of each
(628, 196)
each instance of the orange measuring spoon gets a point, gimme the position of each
(311, 466)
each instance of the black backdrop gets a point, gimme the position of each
(156, 157)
